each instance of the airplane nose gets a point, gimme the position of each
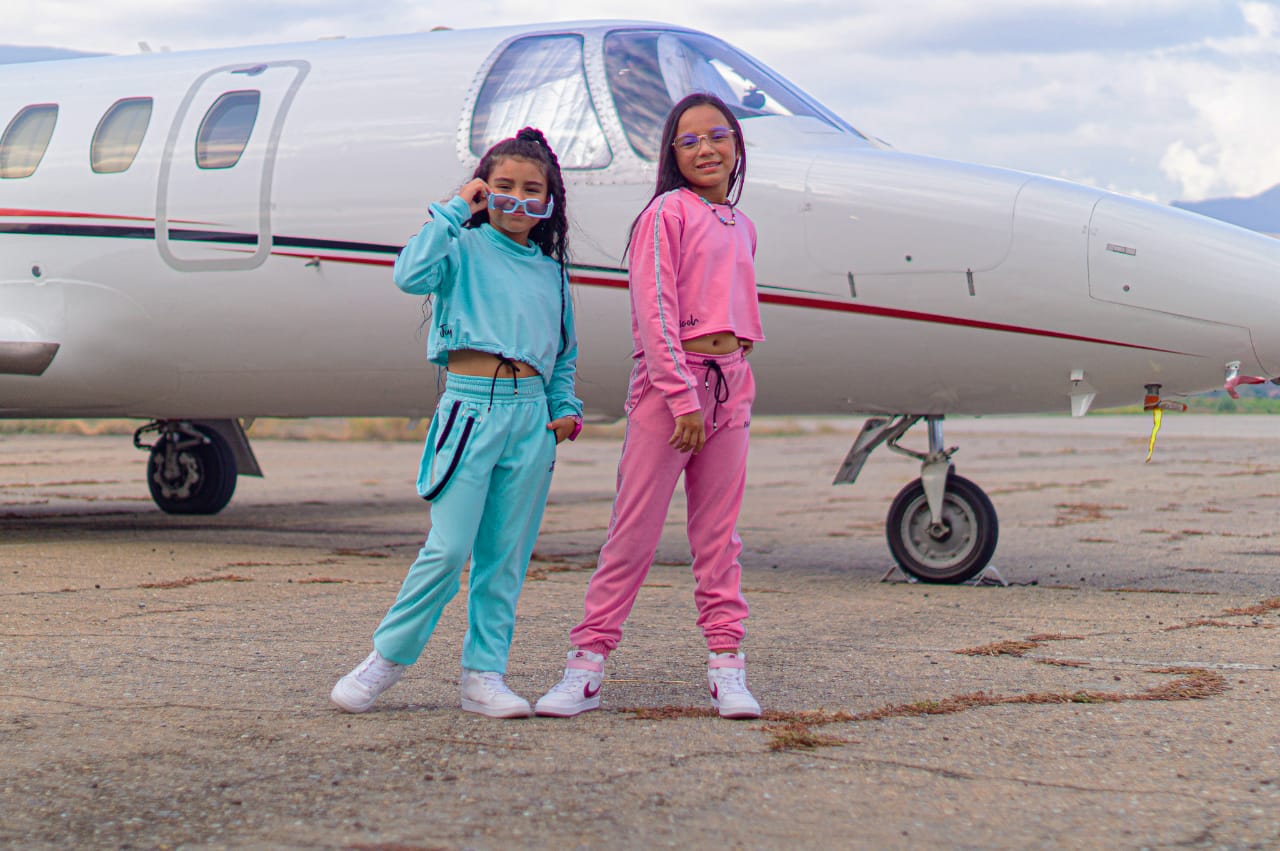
(1154, 258)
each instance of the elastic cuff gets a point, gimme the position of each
(597, 647)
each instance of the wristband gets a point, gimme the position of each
(577, 428)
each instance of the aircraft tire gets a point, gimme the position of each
(204, 479)
(956, 552)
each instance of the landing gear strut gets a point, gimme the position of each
(192, 468)
(941, 527)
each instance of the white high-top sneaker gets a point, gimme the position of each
(727, 680)
(579, 690)
(357, 691)
(485, 692)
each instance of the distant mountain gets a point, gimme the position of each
(1260, 213)
(10, 53)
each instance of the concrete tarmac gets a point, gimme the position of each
(164, 680)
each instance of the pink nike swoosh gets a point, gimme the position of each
(715, 691)
(587, 692)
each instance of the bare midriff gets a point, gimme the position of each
(712, 344)
(471, 362)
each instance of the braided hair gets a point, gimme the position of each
(552, 234)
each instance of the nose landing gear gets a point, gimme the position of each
(941, 527)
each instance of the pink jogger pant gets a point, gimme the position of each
(714, 482)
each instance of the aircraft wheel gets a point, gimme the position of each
(956, 549)
(190, 476)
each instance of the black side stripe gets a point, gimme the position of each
(453, 464)
(448, 426)
(191, 235)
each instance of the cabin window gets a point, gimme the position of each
(119, 135)
(25, 140)
(225, 129)
(540, 82)
(650, 71)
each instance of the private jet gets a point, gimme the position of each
(204, 238)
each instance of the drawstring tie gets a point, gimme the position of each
(721, 391)
(515, 370)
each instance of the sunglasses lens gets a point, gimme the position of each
(503, 203)
(719, 137)
(534, 207)
(687, 142)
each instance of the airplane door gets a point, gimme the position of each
(213, 202)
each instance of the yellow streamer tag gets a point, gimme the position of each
(1156, 416)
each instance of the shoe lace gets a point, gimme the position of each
(493, 681)
(732, 680)
(573, 681)
(377, 671)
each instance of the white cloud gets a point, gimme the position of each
(1188, 168)
(1167, 98)
(1262, 17)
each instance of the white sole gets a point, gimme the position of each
(563, 713)
(490, 712)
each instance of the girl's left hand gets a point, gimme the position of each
(747, 346)
(563, 427)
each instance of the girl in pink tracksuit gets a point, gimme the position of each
(694, 318)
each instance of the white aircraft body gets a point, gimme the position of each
(199, 239)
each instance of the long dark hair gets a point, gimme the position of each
(669, 176)
(551, 235)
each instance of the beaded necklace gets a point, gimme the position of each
(733, 216)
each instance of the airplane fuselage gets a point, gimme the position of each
(890, 282)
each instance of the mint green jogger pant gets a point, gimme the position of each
(493, 436)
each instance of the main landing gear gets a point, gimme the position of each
(193, 465)
(941, 527)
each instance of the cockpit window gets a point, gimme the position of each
(119, 135)
(25, 139)
(649, 71)
(224, 132)
(540, 82)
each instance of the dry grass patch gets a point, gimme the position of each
(540, 573)
(794, 730)
(195, 580)
(1070, 513)
(354, 551)
(667, 713)
(1256, 611)
(1015, 647)
(1269, 605)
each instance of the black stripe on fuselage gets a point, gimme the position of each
(187, 235)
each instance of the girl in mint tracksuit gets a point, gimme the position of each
(494, 258)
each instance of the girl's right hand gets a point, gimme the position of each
(690, 434)
(476, 193)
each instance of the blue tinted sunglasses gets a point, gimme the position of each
(533, 207)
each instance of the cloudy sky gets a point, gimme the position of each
(1165, 99)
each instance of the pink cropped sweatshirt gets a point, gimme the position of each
(690, 275)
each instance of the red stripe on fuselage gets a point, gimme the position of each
(909, 315)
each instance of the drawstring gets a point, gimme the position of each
(721, 392)
(515, 370)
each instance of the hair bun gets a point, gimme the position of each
(533, 134)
